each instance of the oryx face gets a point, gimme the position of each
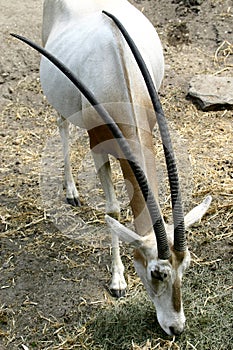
(162, 280)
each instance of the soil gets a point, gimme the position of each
(54, 268)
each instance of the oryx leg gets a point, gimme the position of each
(72, 195)
(118, 284)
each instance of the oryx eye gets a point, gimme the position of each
(158, 275)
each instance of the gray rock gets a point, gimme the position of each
(211, 92)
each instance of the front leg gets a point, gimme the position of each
(118, 284)
(103, 169)
(72, 195)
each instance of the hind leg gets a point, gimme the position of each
(72, 195)
(118, 284)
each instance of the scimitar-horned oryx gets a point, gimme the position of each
(112, 64)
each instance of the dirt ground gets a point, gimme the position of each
(54, 260)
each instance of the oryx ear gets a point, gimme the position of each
(196, 213)
(124, 233)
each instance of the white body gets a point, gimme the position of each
(89, 43)
(92, 47)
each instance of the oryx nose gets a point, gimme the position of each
(176, 330)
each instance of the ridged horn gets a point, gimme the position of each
(177, 210)
(157, 221)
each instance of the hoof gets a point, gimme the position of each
(75, 202)
(118, 293)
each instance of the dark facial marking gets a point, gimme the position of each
(176, 261)
(139, 257)
(157, 275)
(176, 257)
(176, 295)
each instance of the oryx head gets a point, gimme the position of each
(162, 278)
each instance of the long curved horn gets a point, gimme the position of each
(157, 221)
(177, 210)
